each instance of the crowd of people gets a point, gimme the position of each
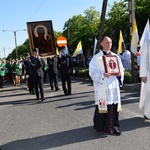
(11, 71)
(35, 70)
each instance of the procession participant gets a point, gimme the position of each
(45, 68)
(106, 90)
(126, 59)
(145, 78)
(26, 72)
(18, 71)
(65, 69)
(37, 73)
(138, 55)
(2, 72)
(14, 71)
(53, 72)
(9, 69)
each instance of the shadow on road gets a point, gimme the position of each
(72, 136)
(133, 124)
(54, 140)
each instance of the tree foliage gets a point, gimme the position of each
(118, 19)
(21, 50)
(142, 13)
(82, 28)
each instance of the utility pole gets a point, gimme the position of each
(68, 30)
(14, 31)
(131, 19)
(4, 50)
(102, 19)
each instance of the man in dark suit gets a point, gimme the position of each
(27, 73)
(37, 73)
(65, 68)
(53, 72)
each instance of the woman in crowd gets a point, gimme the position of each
(2, 72)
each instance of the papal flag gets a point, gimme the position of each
(78, 49)
(66, 48)
(120, 43)
(134, 39)
(95, 44)
(145, 33)
(57, 53)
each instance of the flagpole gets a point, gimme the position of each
(132, 17)
(124, 45)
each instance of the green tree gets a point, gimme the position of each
(21, 49)
(82, 28)
(118, 19)
(142, 13)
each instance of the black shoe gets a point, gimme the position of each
(56, 89)
(37, 98)
(69, 93)
(146, 117)
(32, 93)
(42, 99)
(116, 131)
(65, 93)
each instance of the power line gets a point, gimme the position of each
(36, 10)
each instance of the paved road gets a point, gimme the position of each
(65, 122)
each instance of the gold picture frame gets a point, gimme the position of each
(41, 36)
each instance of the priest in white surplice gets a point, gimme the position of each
(145, 77)
(106, 91)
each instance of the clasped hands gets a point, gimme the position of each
(108, 74)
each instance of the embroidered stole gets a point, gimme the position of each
(102, 106)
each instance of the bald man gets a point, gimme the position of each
(106, 91)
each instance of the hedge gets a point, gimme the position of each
(84, 73)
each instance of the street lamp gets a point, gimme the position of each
(0, 54)
(14, 31)
(4, 50)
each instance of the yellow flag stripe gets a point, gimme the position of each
(120, 42)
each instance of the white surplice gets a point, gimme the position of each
(109, 87)
(145, 72)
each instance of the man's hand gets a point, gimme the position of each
(39, 57)
(107, 75)
(144, 79)
(119, 74)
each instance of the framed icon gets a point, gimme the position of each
(111, 64)
(41, 36)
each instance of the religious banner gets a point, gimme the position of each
(111, 64)
(41, 36)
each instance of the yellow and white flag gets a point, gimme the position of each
(134, 39)
(57, 53)
(78, 49)
(120, 43)
(95, 44)
(145, 34)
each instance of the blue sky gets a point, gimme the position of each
(15, 13)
